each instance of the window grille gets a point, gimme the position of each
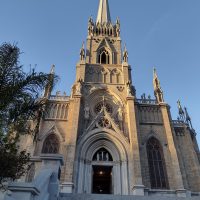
(102, 155)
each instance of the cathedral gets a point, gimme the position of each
(104, 140)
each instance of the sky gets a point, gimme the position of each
(158, 33)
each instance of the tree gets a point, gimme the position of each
(19, 105)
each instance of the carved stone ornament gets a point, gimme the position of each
(87, 111)
(129, 89)
(79, 87)
(120, 88)
(87, 89)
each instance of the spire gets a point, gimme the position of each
(103, 12)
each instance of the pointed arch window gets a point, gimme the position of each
(104, 57)
(51, 145)
(157, 168)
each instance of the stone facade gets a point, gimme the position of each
(103, 112)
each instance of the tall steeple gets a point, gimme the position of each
(103, 12)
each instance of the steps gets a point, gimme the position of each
(116, 197)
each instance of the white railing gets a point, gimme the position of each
(59, 98)
(147, 101)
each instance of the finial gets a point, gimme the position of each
(90, 19)
(155, 77)
(118, 21)
(125, 49)
(125, 54)
(52, 71)
(154, 72)
(83, 45)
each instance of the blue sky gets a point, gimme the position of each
(161, 33)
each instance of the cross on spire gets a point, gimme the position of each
(103, 12)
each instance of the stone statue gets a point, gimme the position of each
(87, 112)
(58, 93)
(107, 157)
(157, 88)
(143, 97)
(120, 114)
(79, 87)
(82, 52)
(125, 54)
(98, 157)
(118, 31)
(129, 92)
(180, 111)
(118, 27)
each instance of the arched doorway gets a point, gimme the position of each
(102, 165)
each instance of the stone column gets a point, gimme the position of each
(46, 184)
(67, 186)
(137, 187)
(177, 177)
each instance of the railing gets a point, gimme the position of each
(178, 123)
(59, 98)
(147, 101)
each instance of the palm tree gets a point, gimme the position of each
(19, 105)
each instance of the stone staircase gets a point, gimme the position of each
(119, 197)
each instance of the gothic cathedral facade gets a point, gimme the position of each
(111, 141)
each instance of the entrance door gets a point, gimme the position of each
(102, 180)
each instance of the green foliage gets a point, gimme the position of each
(13, 164)
(18, 91)
(20, 108)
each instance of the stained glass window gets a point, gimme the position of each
(51, 145)
(157, 169)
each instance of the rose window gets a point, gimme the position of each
(104, 123)
(100, 105)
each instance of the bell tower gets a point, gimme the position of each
(107, 116)
(103, 60)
